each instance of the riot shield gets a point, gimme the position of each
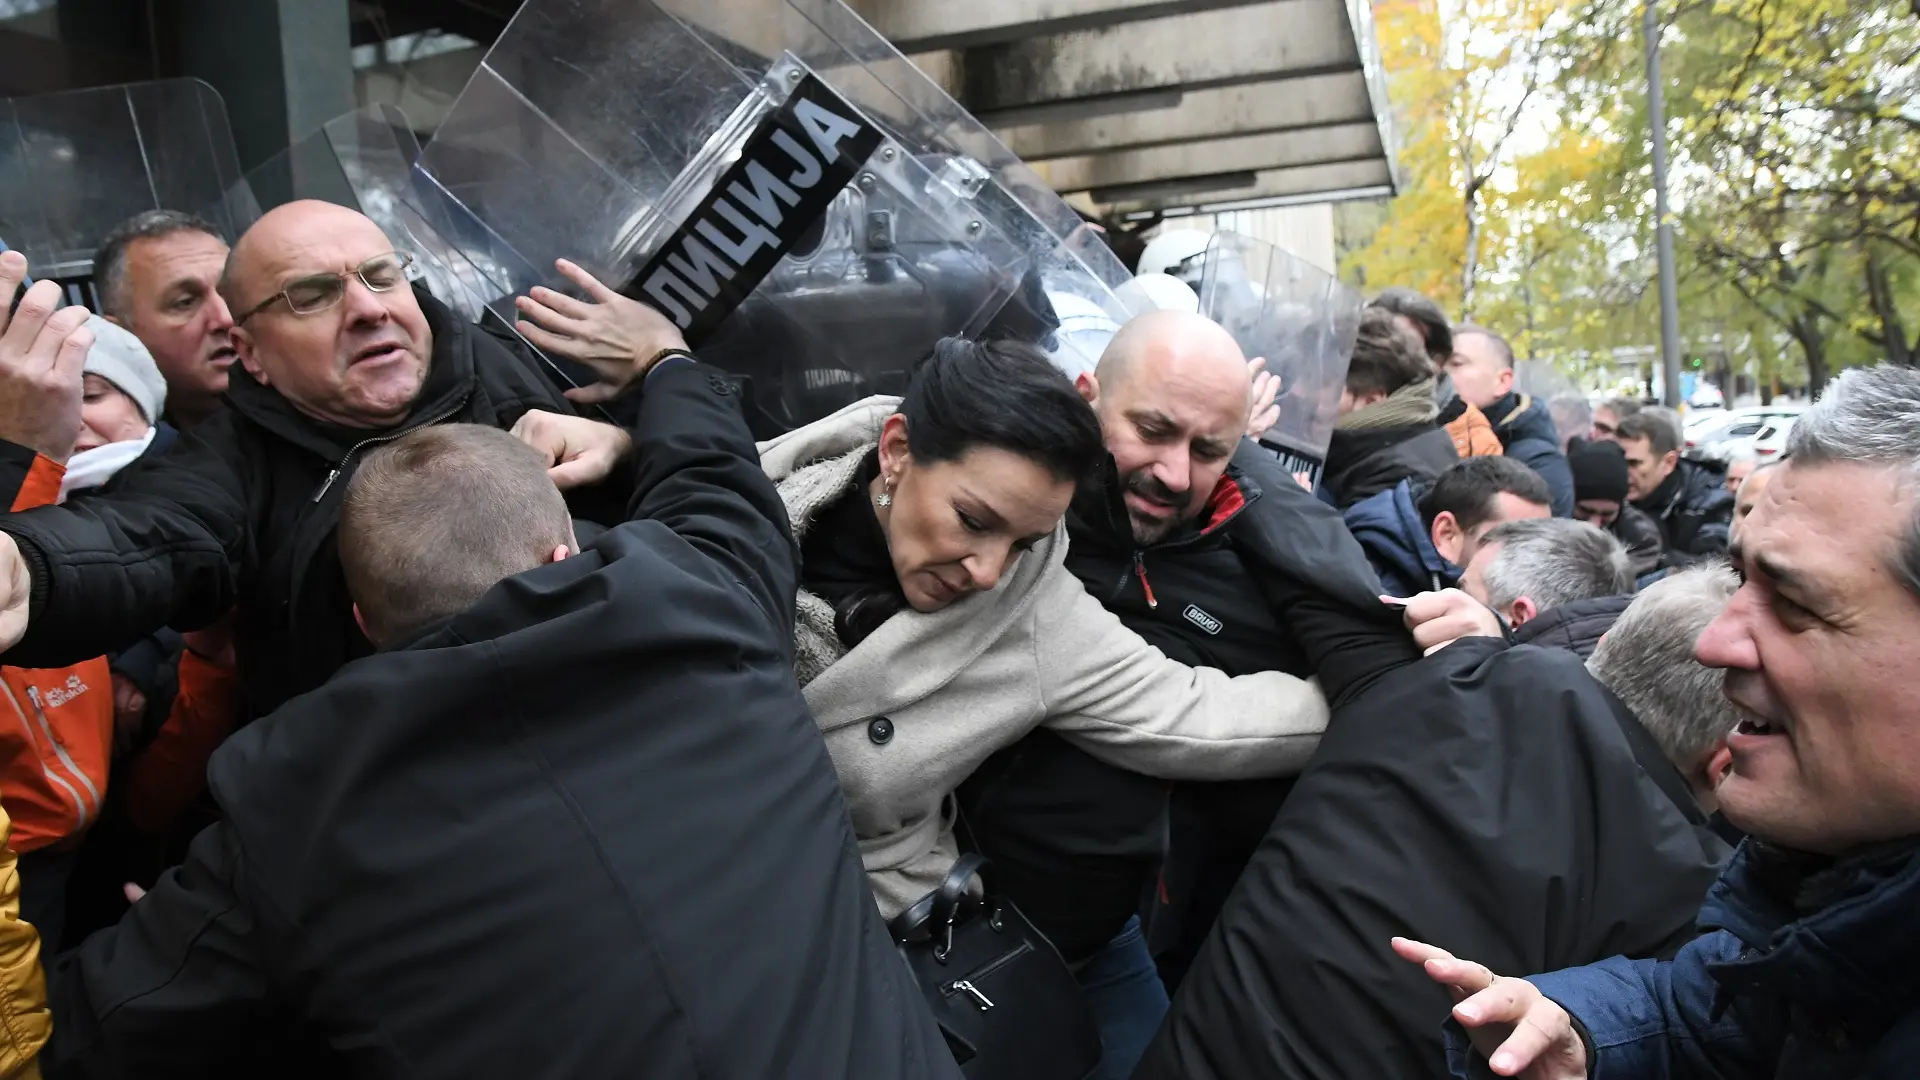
(76, 164)
(1302, 320)
(807, 205)
(364, 160)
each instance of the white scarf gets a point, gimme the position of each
(91, 468)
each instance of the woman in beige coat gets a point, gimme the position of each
(938, 622)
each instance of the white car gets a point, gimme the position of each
(1762, 429)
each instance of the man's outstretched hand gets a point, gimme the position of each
(617, 336)
(1519, 1030)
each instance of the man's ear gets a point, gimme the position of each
(242, 343)
(562, 551)
(1089, 387)
(115, 320)
(1505, 381)
(1670, 462)
(1719, 763)
(1522, 611)
(1446, 536)
(361, 621)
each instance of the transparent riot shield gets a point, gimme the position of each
(74, 165)
(1302, 320)
(771, 174)
(1553, 390)
(364, 160)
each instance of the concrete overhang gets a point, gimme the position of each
(1142, 103)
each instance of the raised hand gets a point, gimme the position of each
(43, 348)
(618, 337)
(1266, 387)
(1520, 1031)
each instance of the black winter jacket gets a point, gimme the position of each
(1075, 841)
(1576, 627)
(1493, 800)
(585, 829)
(243, 510)
(1694, 511)
(1640, 535)
(1526, 429)
(1365, 463)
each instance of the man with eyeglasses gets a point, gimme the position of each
(337, 355)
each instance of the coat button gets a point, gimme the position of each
(719, 385)
(880, 731)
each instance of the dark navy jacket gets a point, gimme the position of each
(1809, 973)
(1526, 430)
(1398, 544)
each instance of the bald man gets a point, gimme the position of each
(1175, 537)
(337, 354)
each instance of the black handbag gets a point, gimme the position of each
(1005, 1000)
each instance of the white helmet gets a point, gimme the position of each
(1166, 251)
(1158, 292)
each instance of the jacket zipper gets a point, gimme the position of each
(1140, 569)
(79, 803)
(347, 458)
(966, 985)
(60, 751)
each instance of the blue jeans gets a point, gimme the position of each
(1127, 999)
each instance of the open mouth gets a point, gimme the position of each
(1752, 726)
(222, 357)
(378, 353)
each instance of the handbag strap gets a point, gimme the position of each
(939, 908)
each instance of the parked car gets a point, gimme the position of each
(1762, 429)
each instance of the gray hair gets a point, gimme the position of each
(1872, 416)
(110, 261)
(1554, 561)
(1646, 659)
(1620, 407)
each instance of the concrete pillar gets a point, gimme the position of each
(284, 67)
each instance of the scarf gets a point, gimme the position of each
(845, 561)
(92, 468)
(1411, 404)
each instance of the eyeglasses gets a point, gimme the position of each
(318, 292)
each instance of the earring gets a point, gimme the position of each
(885, 498)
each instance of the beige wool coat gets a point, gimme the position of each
(958, 684)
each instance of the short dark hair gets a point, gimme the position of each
(1468, 489)
(1501, 349)
(1005, 394)
(1660, 435)
(1386, 355)
(435, 518)
(1435, 332)
(110, 261)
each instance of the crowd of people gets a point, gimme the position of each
(382, 709)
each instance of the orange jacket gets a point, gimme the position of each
(56, 725)
(1473, 434)
(166, 778)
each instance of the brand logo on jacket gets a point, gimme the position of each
(788, 172)
(1202, 620)
(60, 695)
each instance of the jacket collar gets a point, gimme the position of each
(1507, 409)
(812, 466)
(1667, 495)
(1832, 935)
(1098, 513)
(450, 380)
(1577, 625)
